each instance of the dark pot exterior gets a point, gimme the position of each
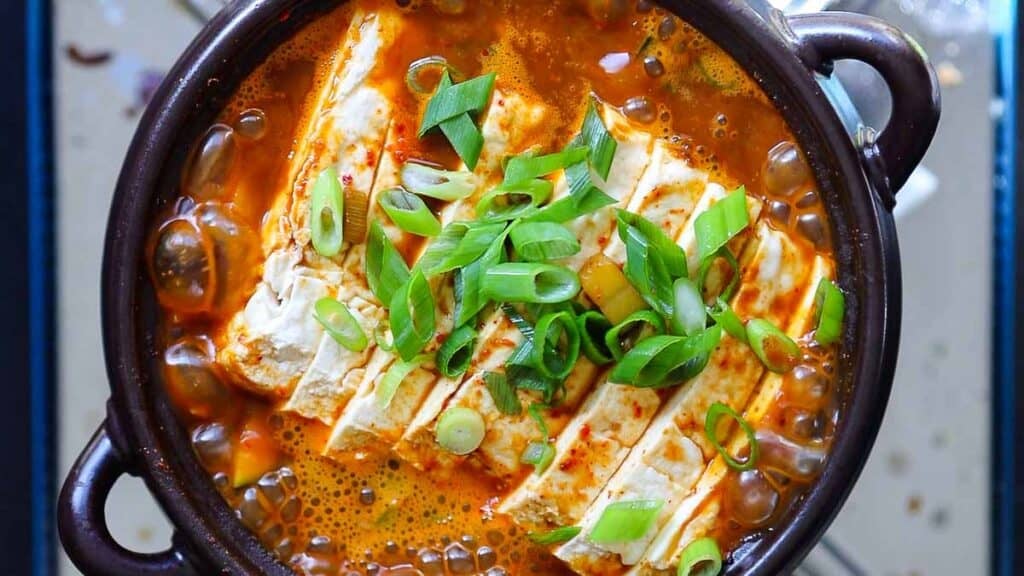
(858, 177)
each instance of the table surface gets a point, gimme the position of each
(922, 504)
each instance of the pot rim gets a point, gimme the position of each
(142, 425)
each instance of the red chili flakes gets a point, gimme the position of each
(501, 102)
(570, 462)
(638, 410)
(346, 179)
(585, 431)
(371, 158)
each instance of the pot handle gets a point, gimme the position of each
(825, 37)
(81, 518)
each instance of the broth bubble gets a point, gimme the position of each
(786, 170)
(210, 165)
(183, 267)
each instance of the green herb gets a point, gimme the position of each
(539, 455)
(327, 213)
(460, 430)
(530, 282)
(724, 316)
(447, 185)
(593, 328)
(653, 261)
(701, 557)
(412, 316)
(829, 308)
(339, 322)
(459, 244)
(511, 202)
(550, 357)
(626, 521)
(556, 536)
(715, 413)
(503, 394)
(537, 241)
(386, 270)
(526, 167)
(452, 100)
(624, 335)
(777, 351)
(661, 361)
(455, 354)
(409, 212)
(396, 373)
(721, 222)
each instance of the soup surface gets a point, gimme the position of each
(523, 287)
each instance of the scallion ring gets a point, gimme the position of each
(458, 245)
(715, 413)
(456, 352)
(593, 328)
(530, 282)
(777, 351)
(502, 393)
(721, 222)
(460, 430)
(392, 379)
(724, 316)
(382, 336)
(528, 166)
(624, 335)
(421, 65)
(539, 455)
(511, 202)
(688, 313)
(734, 274)
(412, 316)
(339, 322)
(550, 356)
(661, 361)
(327, 215)
(447, 185)
(702, 557)
(409, 212)
(829, 308)
(556, 536)
(537, 241)
(626, 521)
(386, 270)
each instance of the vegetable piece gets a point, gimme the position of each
(702, 557)
(688, 313)
(469, 292)
(546, 344)
(556, 536)
(724, 316)
(624, 335)
(734, 274)
(539, 455)
(412, 316)
(719, 223)
(465, 138)
(451, 100)
(459, 244)
(418, 67)
(715, 413)
(503, 394)
(662, 361)
(530, 282)
(526, 167)
(588, 199)
(447, 185)
(392, 379)
(538, 417)
(256, 454)
(776, 350)
(326, 221)
(460, 430)
(595, 135)
(409, 212)
(536, 241)
(653, 260)
(339, 322)
(607, 287)
(625, 521)
(382, 336)
(829, 306)
(593, 328)
(455, 354)
(511, 202)
(357, 204)
(386, 270)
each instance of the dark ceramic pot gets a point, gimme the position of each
(857, 176)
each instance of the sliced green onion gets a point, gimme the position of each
(661, 361)
(529, 378)
(382, 336)
(460, 430)
(625, 334)
(734, 280)
(724, 316)
(469, 281)
(517, 320)
(511, 202)
(538, 417)
(535, 241)
(419, 66)
(715, 413)
(386, 270)
(653, 260)
(412, 316)
(409, 212)
(571, 207)
(339, 322)
(596, 136)
(539, 455)
(626, 521)
(776, 350)
(451, 100)
(465, 138)
(688, 313)
(447, 185)
(527, 166)
(829, 306)
(556, 536)
(504, 395)
(530, 282)
(455, 354)
(648, 40)
(326, 221)
(719, 223)
(702, 557)
(392, 379)
(458, 244)
(593, 328)
(546, 344)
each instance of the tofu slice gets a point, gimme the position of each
(674, 451)
(697, 513)
(508, 435)
(507, 129)
(272, 342)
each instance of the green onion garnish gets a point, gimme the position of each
(829, 305)
(536, 241)
(465, 138)
(547, 341)
(530, 282)
(392, 379)
(776, 350)
(412, 316)
(661, 361)
(556, 536)
(447, 185)
(724, 316)
(460, 430)
(538, 417)
(715, 413)
(734, 274)
(511, 202)
(591, 199)
(386, 270)
(593, 328)
(653, 260)
(417, 67)
(469, 293)
(700, 558)
(626, 521)
(409, 212)
(458, 244)
(451, 100)
(688, 313)
(328, 213)
(539, 455)
(719, 223)
(455, 354)
(527, 166)
(339, 322)
(595, 136)
(503, 393)
(382, 336)
(624, 335)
